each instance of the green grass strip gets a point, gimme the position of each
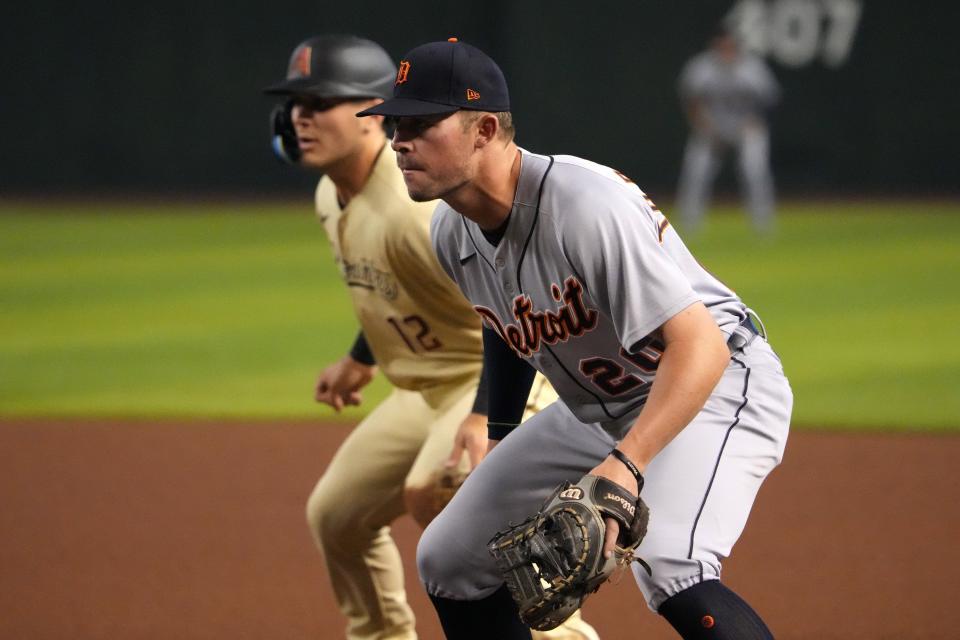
(231, 311)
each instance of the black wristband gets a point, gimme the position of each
(361, 351)
(499, 430)
(628, 463)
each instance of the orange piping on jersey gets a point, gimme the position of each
(663, 227)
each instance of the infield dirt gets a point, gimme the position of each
(156, 529)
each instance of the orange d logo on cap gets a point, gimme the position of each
(402, 72)
(449, 76)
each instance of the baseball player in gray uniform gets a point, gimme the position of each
(578, 275)
(726, 94)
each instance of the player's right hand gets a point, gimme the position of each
(339, 384)
(613, 470)
(472, 438)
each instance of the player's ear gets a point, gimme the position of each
(371, 123)
(487, 129)
(377, 123)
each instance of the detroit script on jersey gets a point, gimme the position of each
(551, 327)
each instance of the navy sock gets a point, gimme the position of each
(495, 616)
(711, 611)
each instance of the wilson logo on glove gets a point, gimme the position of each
(623, 502)
(573, 493)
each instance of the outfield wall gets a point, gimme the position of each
(164, 97)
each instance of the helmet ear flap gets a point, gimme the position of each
(283, 137)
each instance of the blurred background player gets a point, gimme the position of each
(726, 94)
(415, 326)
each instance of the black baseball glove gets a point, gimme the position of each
(554, 560)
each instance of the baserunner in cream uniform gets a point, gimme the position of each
(416, 327)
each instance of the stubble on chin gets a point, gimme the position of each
(420, 196)
(418, 193)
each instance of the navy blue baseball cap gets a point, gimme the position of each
(443, 77)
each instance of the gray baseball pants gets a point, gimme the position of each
(700, 487)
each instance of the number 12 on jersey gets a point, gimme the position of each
(415, 331)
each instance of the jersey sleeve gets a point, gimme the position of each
(765, 83)
(614, 241)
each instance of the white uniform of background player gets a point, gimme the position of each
(726, 93)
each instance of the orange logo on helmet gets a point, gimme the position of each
(473, 95)
(403, 71)
(300, 65)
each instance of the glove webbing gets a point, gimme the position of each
(555, 570)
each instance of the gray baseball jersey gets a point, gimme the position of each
(586, 272)
(732, 93)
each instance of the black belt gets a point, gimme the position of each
(744, 334)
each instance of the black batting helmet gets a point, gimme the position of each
(338, 66)
(328, 66)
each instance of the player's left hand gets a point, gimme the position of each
(472, 438)
(340, 383)
(615, 471)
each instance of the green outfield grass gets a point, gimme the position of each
(232, 310)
